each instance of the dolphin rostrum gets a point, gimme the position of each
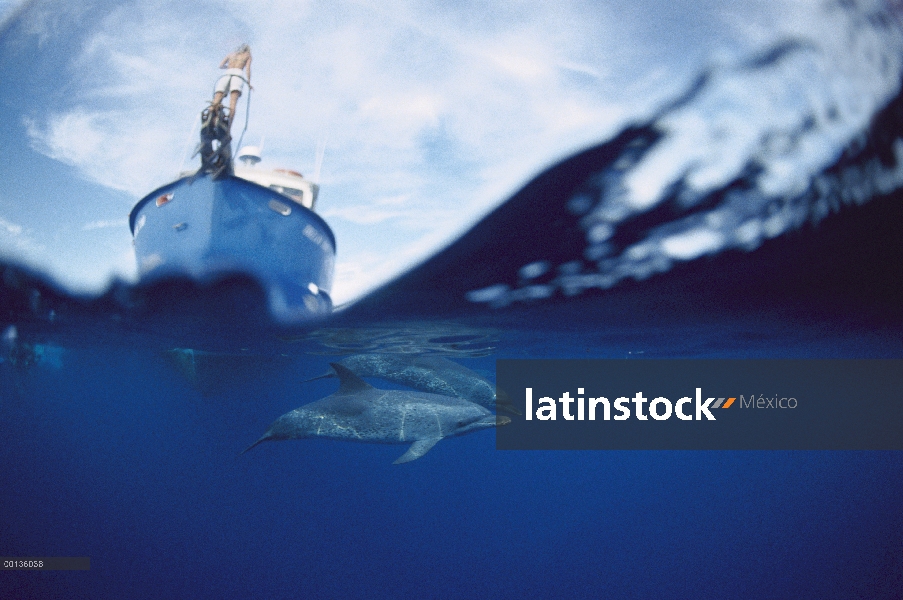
(359, 412)
(433, 374)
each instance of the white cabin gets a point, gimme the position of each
(287, 182)
(284, 181)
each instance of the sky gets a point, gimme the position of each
(427, 115)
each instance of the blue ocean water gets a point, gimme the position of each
(110, 450)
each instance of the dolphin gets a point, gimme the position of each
(433, 374)
(359, 412)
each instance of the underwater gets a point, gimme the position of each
(756, 213)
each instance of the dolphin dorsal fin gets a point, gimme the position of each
(349, 383)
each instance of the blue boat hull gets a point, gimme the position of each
(207, 228)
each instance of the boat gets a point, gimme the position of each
(223, 220)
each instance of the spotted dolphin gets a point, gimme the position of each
(433, 374)
(359, 412)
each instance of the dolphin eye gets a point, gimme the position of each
(460, 424)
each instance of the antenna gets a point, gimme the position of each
(321, 150)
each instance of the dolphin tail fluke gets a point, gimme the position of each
(417, 449)
(265, 437)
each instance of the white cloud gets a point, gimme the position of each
(120, 223)
(382, 209)
(113, 148)
(17, 241)
(43, 20)
(10, 228)
(7, 8)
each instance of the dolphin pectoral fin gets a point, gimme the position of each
(417, 449)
